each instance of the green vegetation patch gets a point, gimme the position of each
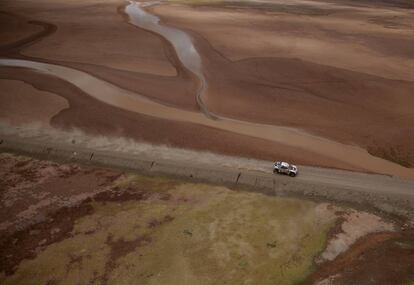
(201, 234)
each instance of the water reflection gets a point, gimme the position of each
(182, 43)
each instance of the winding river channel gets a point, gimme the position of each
(182, 43)
(127, 100)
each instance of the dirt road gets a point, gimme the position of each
(389, 194)
(370, 183)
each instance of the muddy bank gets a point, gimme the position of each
(22, 103)
(18, 32)
(88, 40)
(184, 83)
(91, 115)
(286, 72)
(183, 47)
(104, 92)
(241, 88)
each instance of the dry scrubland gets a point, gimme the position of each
(67, 224)
(188, 234)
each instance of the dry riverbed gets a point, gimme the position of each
(69, 224)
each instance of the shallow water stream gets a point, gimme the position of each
(182, 43)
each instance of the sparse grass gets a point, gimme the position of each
(409, 281)
(405, 244)
(158, 184)
(201, 234)
(19, 158)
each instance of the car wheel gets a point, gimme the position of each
(292, 174)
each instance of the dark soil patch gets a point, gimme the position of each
(69, 171)
(31, 178)
(382, 258)
(25, 243)
(337, 229)
(395, 154)
(46, 187)
(156, 223)
(8, 166)
(120, 248)
(118, 194)
(22, 163)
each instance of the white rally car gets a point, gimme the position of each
(286, 168)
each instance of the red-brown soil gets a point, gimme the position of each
(24, 244)
(31, 189)
(16, 32)
(92, 32)
(383, 258)
(22, 104)
(92, 116)
(28, 183)
(249, 77)
(346, 102)
(181, 82)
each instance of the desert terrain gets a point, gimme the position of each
(72, 224)
(113, 113)
(319, 83)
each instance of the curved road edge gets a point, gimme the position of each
(390, 195)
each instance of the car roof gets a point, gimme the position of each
(284, 163)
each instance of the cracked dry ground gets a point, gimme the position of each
(71, 224)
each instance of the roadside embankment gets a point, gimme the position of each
(391, 195)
